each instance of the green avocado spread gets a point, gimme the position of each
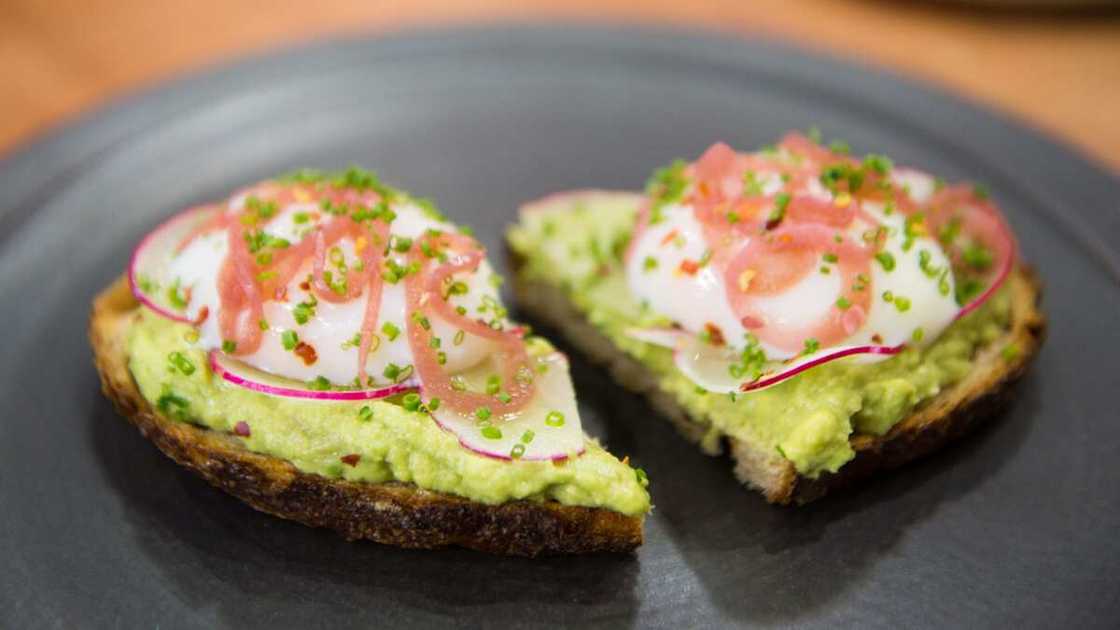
(370, 441)
(807, 419)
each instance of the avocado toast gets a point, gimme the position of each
(380, 457)
(941, 359)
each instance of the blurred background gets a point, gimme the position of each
(1054, 63)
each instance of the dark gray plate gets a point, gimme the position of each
(1017, 525)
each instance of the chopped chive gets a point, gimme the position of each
(493, 384)
(492, 433)
(391, 330)
(554, 419)
(229, 347)
(180, 362)
(886, 259)
(290, 339)
(411, 401)
(365, 414)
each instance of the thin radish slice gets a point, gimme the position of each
(709, 367)
(548, 428)
(237, 373)
(867, 354)
(147, 269)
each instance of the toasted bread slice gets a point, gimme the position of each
(393, 513)
(954, 411)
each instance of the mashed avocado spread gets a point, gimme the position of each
(391, 443)
(807, 419)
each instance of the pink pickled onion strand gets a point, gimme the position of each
(422, 296)
(808, 241)
(372, 259)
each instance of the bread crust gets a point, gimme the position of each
(952, 413)
(392, 513)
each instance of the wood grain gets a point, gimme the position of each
(1058, 71)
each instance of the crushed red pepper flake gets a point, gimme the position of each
(689, 266)
(715, 335)
(203, 313)
(306, 352)
(877, 338)
(669, 237)
(242, 429)
(350, 460)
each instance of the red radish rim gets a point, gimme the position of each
(133, 260)
(1001, 277)
(808, 365)
(502, 456)
(308, 394)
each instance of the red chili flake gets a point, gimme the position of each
(689, 266)
(877, 338)
(715, 335)
(669, 237)
(305, 285)
(306, 352)
(750, 323)
(351, 459)
(203, 313)
(242, 429)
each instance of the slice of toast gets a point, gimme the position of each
(954, 411)
(393, 513)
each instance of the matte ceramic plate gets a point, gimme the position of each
(1017, 525)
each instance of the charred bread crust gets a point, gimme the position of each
(952, 413)
(392, 513)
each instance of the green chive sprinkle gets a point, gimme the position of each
(411, 401)
(391, 331)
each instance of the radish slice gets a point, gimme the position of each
(147, 269)
(548, 428)
(709, 367)
(867, 354)
(237, 373)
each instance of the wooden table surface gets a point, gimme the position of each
(1059, 71)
